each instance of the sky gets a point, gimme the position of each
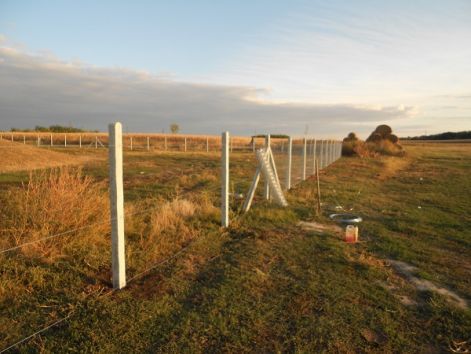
(324, 68)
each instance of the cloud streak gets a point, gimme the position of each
(43, 90)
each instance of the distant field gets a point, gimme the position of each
(263, 285)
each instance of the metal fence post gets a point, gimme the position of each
(288, 170)
(266, 190)
(117, 205)
(225, 180)
(304, 158)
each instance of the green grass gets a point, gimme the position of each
(265, 285)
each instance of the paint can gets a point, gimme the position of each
(351, 234)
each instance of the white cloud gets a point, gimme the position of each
(42, 90)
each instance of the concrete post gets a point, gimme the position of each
(148, 144)
(304, 158)
(165, 143)
(288, 169)
(117, 205)
(207, 144)
(51, 141)
(65, 140)
(96, 142)
(225, 180)
(185, 144)
(131, 143)
(80, 141)
(39, 140)
(321, 155)
(314, 152)
(266, 190)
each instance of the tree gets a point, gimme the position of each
(174, 128)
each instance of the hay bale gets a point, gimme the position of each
(351, 137)
(383, 130)
(374, 138)
(392, 138)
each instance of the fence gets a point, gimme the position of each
(295, 161)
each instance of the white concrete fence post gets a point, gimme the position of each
(51, 141)
(225, 180)
(207, 144)
(314, 148)
(266, 190)
(131, 143)
(304, 158)
(289, 167)
(39, 140)
(148, 144)
(117, 205)
(185, 145)
(65, 140)
(80, 141)
(165, 143)
(321, 155)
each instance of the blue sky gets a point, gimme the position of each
(246, 66)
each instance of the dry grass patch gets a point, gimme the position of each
(54, 202)
(19, 157)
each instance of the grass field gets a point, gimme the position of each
(263, 285)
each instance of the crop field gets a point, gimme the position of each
(271, 282)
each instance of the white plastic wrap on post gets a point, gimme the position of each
(264, 157)
(289, 167)
(266, 188)
(117, 206)
(304, 158)
(225, 180)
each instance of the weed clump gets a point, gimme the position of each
(54, 202)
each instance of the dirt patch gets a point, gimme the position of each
(19, 157)
(321, 228)
(407, 271)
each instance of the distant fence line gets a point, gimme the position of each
(146, 142)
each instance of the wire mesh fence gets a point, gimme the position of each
(170, 203)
